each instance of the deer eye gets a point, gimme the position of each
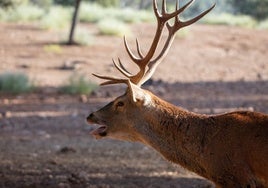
(120, 104)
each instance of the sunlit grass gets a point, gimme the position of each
(15, 83)
(2, 15)
(127, 15)
(146, 16)
(232, 20)
(113, 27)
(263, 24)
(53, 48)
(83, 37)
(183, 33)
(56, 18)
(22, 13)
(78, 84)
(91, 13)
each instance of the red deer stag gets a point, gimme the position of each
(229, 149)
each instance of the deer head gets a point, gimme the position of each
(123, 117)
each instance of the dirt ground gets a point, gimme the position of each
(44, 140)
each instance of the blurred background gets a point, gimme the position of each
(49, 50)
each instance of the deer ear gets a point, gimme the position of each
(137, 94)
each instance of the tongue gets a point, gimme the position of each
(99, 132)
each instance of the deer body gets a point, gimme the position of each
(229, 149)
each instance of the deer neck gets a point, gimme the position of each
(176, 133)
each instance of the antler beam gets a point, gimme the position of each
(145, 63)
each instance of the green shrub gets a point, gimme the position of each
(15, 83)
(263, 24)
(65, 2)
(46, 4)
(256, 8)
(83, 37)
(2, 14)
(128, 15)
(146, 16)
(78, 84)
(113, 27)
(182, 33)
(53, 48)
(56, 18)
(95, 13)
(229, 19)
(24, 13)
(6, 3)
(11, 3)
(91, 12)
(108, 3)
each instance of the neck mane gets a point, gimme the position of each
(179, 135)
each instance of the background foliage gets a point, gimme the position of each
(255, 8)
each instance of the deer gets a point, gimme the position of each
(229, 149)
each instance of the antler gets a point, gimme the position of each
(145, 63)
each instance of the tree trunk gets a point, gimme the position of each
(74, 21)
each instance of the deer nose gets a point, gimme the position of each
(90, 118)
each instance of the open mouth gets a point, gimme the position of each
(99, 132)
(99, 129)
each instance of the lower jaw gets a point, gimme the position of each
(103, 134)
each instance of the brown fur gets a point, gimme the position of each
(229, 149)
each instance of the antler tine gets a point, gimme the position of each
(162, 19)
(121, 65)
(177, 5)
(164, 16)
(178, 24)
(111, 80)
(138, 49)
(184, 6)
(143, 60)
(145, 63)
(164, 7)
(195, 19)
(121, 68)
(131, 55)
(172, 30)
(155, 9)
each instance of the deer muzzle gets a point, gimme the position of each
(101, 129)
